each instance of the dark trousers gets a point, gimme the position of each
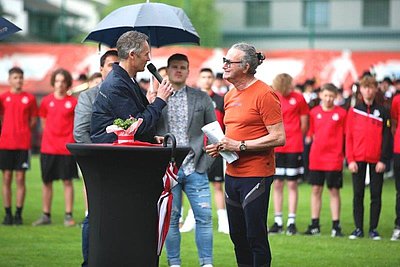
(247, 201)
(396, 167)
(306, 161)
(85, 241)
(376, 182)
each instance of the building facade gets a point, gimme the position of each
(312, 24)
(52, 20)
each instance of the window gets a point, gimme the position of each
(316, 13)
(257, 13)
(376, 13)
(42, 26)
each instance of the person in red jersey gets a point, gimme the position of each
(57, 116)
(368, 146)
(18, 112)
(253, 127)
(327, 129)
(395, 114)
(289, 161)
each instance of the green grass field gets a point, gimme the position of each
(56, 245)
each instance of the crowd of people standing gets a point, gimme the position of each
(283, 134)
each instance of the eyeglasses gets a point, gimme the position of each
(228, 62)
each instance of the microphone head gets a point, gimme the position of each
(154, 71)
(151, 67)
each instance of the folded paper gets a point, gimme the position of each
(215, 134)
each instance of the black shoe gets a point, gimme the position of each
(337, 232)
(8, 219)
(291, 229)
(275, 229)
(374, 235)
(18, 219)
(313, 230)
(357, 233)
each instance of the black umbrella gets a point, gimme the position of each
(164, 24)
(7, 28)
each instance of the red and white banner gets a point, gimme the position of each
(340, 67)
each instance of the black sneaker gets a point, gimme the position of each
(313, 230)
(357, 233)
(275, 229)
(374, 235)
(337, 232)
(8, 219)
(17, 219)
(291, 229)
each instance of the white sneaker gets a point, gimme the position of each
(223, 224)
(396, 234)
(189, 224)
(207, 265)
(175, 265)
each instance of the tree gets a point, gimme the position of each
(202, 14)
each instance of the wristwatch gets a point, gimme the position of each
(242, 146)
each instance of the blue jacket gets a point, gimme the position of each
(121, 97)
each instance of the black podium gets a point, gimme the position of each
(123, 185)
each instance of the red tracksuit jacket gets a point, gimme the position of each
(368, 137)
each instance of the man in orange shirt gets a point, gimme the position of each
(253, 123)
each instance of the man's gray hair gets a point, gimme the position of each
(251, 56)
(131, 41)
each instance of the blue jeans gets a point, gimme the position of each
(197, 191)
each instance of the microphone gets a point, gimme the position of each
(154, 71)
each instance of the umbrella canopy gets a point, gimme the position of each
(164, 24)
(7, 28)
(164, 204)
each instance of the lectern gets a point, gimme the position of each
(123, 184)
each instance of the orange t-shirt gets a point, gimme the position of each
(247, 113)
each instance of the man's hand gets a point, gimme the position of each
(165, 90)
(228, 144)
(151, 95)
(212, 150)
(380, 167)
(159, 139)
(308, 140)
(353, 167)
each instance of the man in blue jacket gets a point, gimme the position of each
(120, 95)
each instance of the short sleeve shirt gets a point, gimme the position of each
(327, 129)
(59, 124)
(17, 110)
(247, 114)
(293, 107)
